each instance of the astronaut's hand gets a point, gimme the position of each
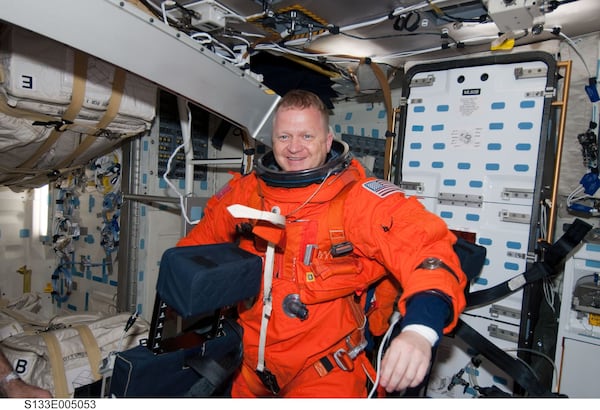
(20, 389)
(405, 362)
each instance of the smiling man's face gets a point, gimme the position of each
(301, 139)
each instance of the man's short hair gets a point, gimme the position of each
(302, 99)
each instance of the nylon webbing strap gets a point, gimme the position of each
(109, 115)
(274, 217)
(335, 216)
(267, 304)
(483, 297)
(78, 94)
(387, 98)
(553, 256)
(92, 349)
(56, 363)
(519, 371)
(21, 113)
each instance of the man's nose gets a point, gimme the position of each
(296, 144)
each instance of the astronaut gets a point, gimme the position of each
(344, 232)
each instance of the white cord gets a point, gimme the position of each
(181, 197)
(574, 47)
(163, 7)
(545, 356)
(395, 318)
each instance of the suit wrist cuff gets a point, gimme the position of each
(425, 331)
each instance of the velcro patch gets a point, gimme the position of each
(381, 187)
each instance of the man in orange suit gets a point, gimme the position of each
(344, 232)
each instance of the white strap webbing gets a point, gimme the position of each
(241, 211)
(267, 304)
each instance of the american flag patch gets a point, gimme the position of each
(381, 188)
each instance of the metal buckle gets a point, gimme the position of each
(345, 358)
(339, 356)
(355, 350)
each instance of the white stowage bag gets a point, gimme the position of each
(37, 75)
(70, 352)
(60, 108)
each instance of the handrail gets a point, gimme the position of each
(562, 105)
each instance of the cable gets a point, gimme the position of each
(550, 293)
(107, 365)
(572, 44)
(163, 8)
(181, 197)
(395, 318)
(542, 354)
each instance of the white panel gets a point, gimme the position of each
(578, 341)
(163, 231)
(472, 144)
(579, 370)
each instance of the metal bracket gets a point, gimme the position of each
(423, 82)
(498, 310)
(466, 200)
(517, 217)
(519, 255)
(522, 73)
(503, 334)
(412, 186)
(516, 193)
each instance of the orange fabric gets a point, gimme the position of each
(309, 384)
(389, 233)
(385, 295)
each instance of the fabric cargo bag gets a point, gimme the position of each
(69, 355)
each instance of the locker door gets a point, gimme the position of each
(473, 144)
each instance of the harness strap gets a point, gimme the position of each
(275, 218)
(554, 255)
(521, 373)
(335, 216)
(265, 375)
(267, 304)
(57, 365)
(343, 353)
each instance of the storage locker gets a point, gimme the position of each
(473, 144)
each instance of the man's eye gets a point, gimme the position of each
(283, 137)
(308, 137)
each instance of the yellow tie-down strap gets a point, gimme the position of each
(57, 365)
(55, 356)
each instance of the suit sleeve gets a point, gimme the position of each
(216, 225)
(400, 233)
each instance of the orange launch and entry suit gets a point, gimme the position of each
(388, 234)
